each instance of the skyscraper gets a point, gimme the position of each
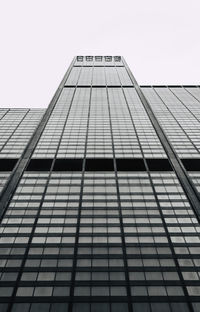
(100, 203)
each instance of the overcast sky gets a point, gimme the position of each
(159, 39)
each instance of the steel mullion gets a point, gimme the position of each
(120, 212)
(76, 244)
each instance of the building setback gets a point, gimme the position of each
(100, 204)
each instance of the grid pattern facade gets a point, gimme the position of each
(179, 114)
(100, 220)
(16, 129)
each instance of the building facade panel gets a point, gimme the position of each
(178, 121)
(16, 129)
(101, 219)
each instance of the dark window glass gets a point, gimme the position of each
(180, 306)
(43, 307)
(160, 306)
(20, 307)
(61, 291)
(99, 307)
(196, 306)
(119, 307)
(141, 306)
(6, 291)
(81, 307)
(59, 307)
(9, 276)
(3, 307)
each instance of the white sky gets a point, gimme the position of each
(159, 39)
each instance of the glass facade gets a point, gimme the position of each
(16, 129)
(98, 217)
